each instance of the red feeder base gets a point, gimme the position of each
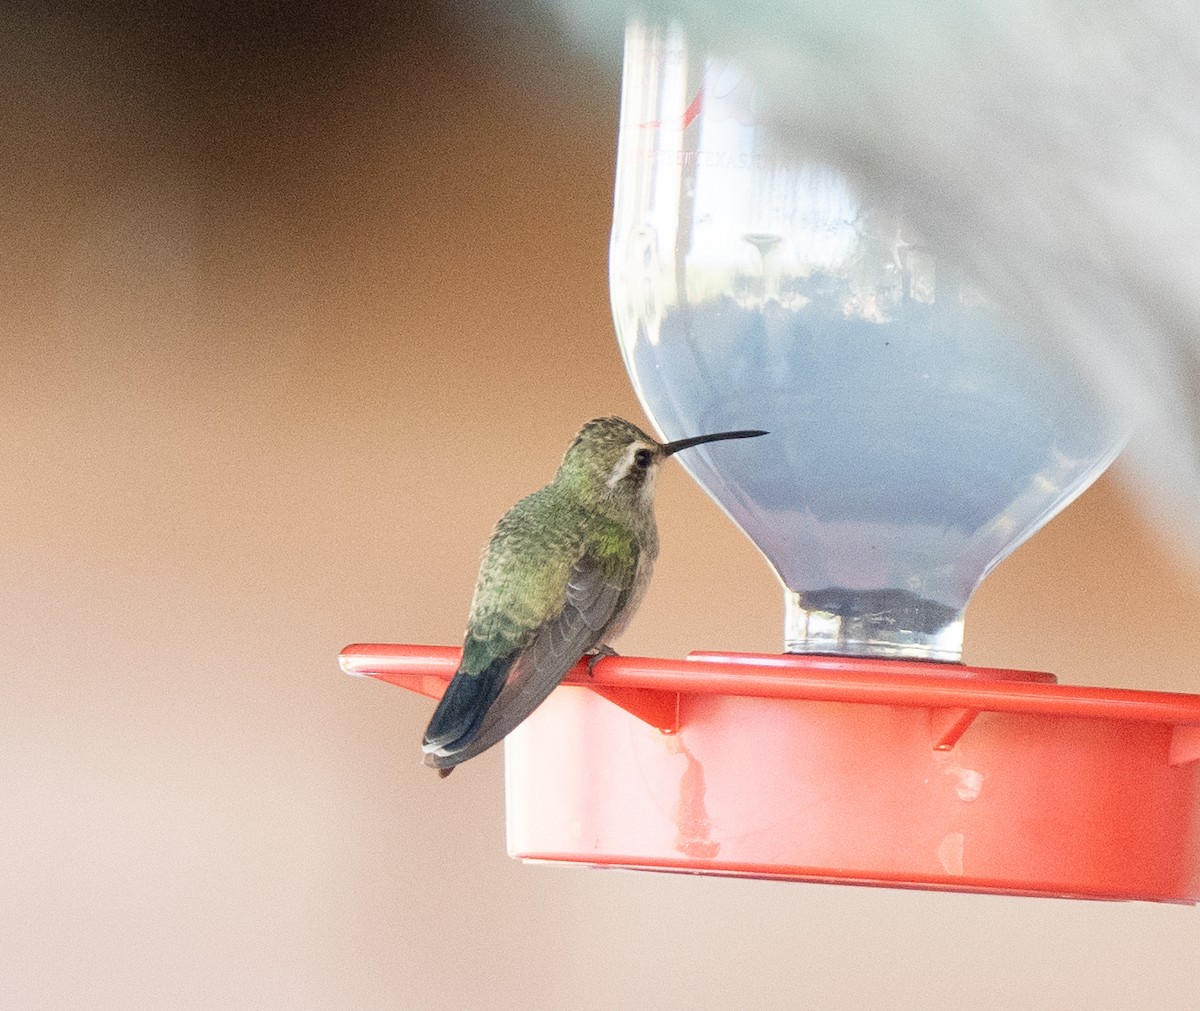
(858, 771)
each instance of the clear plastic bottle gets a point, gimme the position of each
(916, 436)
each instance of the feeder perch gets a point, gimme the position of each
(849, 770)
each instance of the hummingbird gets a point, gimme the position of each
(562, 574)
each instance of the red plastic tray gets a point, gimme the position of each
(862, 771)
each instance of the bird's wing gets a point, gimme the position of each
(595, 593)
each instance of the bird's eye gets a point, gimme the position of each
(642, 458)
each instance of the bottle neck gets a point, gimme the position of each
(889, 624)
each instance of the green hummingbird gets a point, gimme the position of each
(563, 573)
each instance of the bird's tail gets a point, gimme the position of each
(467, 700)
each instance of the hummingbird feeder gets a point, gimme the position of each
(918, 436)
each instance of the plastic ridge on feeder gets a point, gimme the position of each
(825, 768)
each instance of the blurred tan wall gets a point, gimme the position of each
(293, 307)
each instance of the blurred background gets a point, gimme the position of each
(296, 302)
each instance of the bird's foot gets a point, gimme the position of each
(597, 654)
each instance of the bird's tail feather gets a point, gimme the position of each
(520, 696)
(466, 702)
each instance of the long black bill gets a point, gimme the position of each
(696, 440)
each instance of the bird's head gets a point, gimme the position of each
(612, 460)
